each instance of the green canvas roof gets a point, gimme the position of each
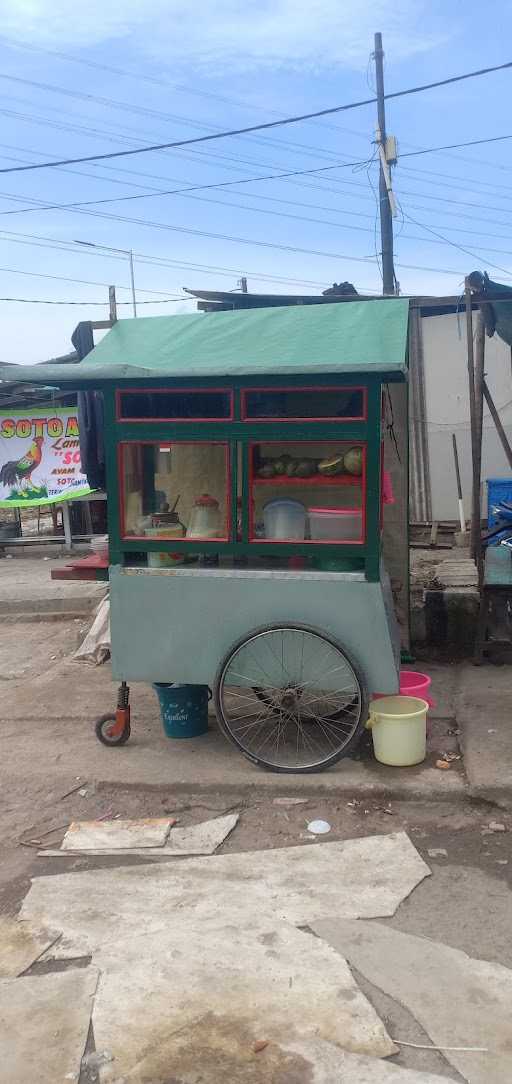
(356, 336)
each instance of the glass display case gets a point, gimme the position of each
(256, 472)
(307, 491)
(175, 490)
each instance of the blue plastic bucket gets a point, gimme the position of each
(184, 709)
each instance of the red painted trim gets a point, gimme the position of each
(250, 497)
(315, 387)
(157, 444)
(363, 497)
(175, 391)
(313, 480)
(381, 510)
(308, 541)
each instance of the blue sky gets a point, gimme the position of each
(106, 77)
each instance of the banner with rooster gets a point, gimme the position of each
(40, 458)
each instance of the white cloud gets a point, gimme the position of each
(231, 33)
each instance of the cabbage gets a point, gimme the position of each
(353, 461)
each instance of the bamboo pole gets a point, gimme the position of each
(497, 421)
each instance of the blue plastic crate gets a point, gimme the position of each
(498, 489)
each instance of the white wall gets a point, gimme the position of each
(447, 399)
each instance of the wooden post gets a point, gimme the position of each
(497, 421)
(479, 359)
(472, 414)
(112, 303)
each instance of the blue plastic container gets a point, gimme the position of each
(498, 489)
(184, 709)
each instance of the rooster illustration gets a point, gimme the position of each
(20, 470)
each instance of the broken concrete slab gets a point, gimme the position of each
(21, 943)
(330, 1065)
(117, 835)
(458, 1000)
(44, 1021)
(163, 997)
(199, 839)
(366, 878)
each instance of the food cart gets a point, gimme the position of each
(244, 455)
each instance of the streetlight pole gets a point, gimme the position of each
(124, 252)
(132, 280)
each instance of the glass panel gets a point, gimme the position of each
(175, 490)
(314, 403)
(179, 405)
(308, 491)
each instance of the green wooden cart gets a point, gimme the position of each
(245, 502)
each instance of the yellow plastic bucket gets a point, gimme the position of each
(399, 729)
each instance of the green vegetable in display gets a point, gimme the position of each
(280, 465)
(291, 468)
(333, 465)
(305, 468)
(353, 461)
(266, 470)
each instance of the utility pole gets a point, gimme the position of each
(386, 201)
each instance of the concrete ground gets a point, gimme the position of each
(48, 702)
(26, 587)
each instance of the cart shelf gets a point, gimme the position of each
(313, 480)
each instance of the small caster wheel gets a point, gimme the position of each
(103, 727)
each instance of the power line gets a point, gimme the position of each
(41, 205)
(259, 127)
(130, 108)
(154, 80)
(453, 244)
(283, 174)
(241, 240)
(105, 304)
(192, 188)
(455, 146)
(259, 243)
(442, 180)
(82, 282)
(63, 245)
(162, 261)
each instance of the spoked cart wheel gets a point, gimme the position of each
(114, 729)
(291, 698)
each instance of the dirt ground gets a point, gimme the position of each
(50, 751)
(465, 904)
